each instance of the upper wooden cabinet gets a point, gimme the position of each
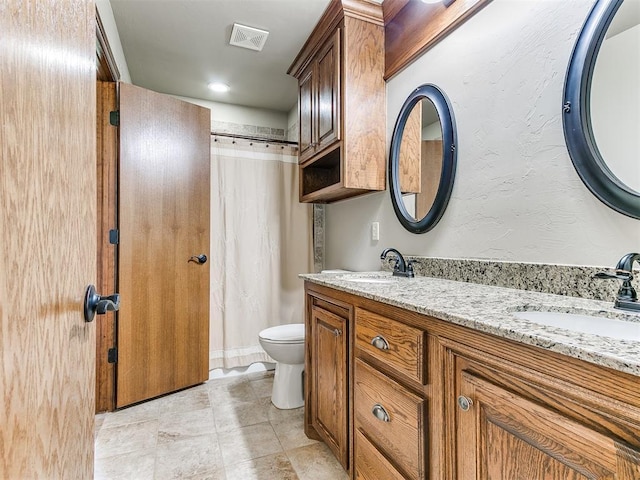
(341, 103)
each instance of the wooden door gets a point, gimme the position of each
(163, 323)
(329, 382)
(328, 93)
(47, 238)
(503, 436)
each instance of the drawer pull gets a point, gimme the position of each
(380, 413)
(465, 403)
(380, 342)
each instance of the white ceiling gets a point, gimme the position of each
(179, 46)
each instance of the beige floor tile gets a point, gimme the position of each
(290, 433)
(194, 457)
(126, 467)
(277, 415)
(137, 413)
(247, 443)
(261, 374)
(316, 462)
(132, 437)
(195, 398)
(227, 392)
(224, 429)
(262, 387)
(98, 424)
(235, 415)
(172, 426)
(272, 467)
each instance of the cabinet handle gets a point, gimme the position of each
(337, 332)
(465, 403)
(380, 413)
(380, 342)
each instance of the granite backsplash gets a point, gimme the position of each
(569, 280)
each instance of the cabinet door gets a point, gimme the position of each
(503, 436)
(329, 382)
(306, 123)
(328, 91)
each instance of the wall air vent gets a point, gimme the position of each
(248, 37)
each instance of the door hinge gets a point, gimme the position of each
(114, 236)
(114, 118)
(112, 355)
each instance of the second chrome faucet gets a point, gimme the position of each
(402, 268)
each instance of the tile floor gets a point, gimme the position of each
(225, 429)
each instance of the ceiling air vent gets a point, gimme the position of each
(248, 37)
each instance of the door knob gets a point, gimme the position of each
(100, 304)
(201, 259)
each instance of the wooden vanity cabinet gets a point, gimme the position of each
(341, 103)
(427, 399)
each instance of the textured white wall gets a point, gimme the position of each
(226, 112)
(517, 196)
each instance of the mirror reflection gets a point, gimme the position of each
(420, 164)
(615, 96)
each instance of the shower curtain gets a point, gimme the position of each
(260, 242)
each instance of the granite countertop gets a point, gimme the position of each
(490, 309)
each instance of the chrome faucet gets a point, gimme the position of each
(627, 298)
(402, 268)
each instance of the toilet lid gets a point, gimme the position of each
(293, 332)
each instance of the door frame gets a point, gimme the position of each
(107, 210)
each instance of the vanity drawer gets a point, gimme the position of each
(371, 464)
(392, 417)
(399, 346)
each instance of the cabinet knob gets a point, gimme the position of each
(380, 413)
(380, 342)
(337, 332)
(465, 403)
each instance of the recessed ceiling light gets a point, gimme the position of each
(218, 87)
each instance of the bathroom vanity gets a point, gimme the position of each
(427, 378)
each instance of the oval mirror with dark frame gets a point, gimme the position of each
(422, 160)
(601, 105)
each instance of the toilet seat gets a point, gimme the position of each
(292, 333)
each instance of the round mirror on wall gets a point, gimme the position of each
(602, 104)
(422, 160)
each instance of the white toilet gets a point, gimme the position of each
(285, 344)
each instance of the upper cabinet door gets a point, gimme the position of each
(328, 108)
(307, 122)
(502, 435)
(48, 242)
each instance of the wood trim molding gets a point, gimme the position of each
(412, 27)
(107, 177)
(107, 69)
(366, 10)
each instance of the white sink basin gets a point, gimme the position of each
(369, 280)
(605, 327)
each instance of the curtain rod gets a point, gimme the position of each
(255, 139)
